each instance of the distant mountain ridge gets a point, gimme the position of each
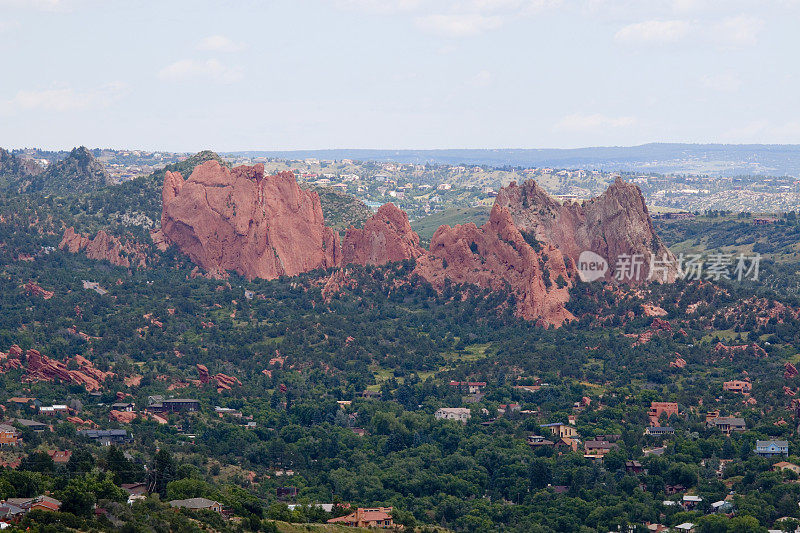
(711, 159)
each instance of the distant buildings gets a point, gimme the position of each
(561, 430)
(106, 437)
(197, 503)
(657, 431)
(9, 436)
(772, 448)
(739, 387)
(157, 404)
(462, 414)
(727, 424)
(468, 387)
(375, 517)
(660, 408)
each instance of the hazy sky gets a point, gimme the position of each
(291, 74)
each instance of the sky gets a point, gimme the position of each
(422, 74)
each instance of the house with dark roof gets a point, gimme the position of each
(197, 503)
(106, 437)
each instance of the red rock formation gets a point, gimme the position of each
(104, 247)
(260, 226)
(34, 289)
(42, 368)
(679, 362)
(613, 225)
(202, 371)
(123, 417)
(223, 381)
(496, 256)
(789, 371)
(387, 236)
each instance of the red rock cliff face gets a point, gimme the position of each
(614, 224)
(496, 256)
(104, 247)
(387, 236)
(238, 219)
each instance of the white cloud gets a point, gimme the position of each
(653, 32)
(579, 122)
(63, 99)
(458, 24)
(210, 68)
(220, 43)
(742, 30)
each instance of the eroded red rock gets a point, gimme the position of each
(614, 225)
(496, 256)
(104, 247)
(386, 237)
(239, 219)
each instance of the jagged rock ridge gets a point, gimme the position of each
(613, 225)
(386, 237)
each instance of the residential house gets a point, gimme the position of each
(173, 405)
(596, 449)
(30, 424)
(690, 502)
(656, 431)
(660, 408)
(783, 465)
(126, 407)
(566, 444)
(462, 414)
(469, 387)
(60, 457)
(686, 527)
(727, 424)
(9, 436)
(722, 506)
(286, 492)
(197, 503)
(134, 489)
(54, 410)
(537, 441)
(10, 512)
(561, 430)
(737, 386)
(633, 467)
(371, 395)
(772, 448)
(106, 437)
(375, 517)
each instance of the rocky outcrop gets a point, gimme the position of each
(79, 172)
(615, 225)
(104, 247)
(34, 289)
(239, 219)
(496, 256)
(387, 236)
(42, 368)
(222, 381)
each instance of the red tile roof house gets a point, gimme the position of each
(60, 457)
(659, 408)
(378, 517)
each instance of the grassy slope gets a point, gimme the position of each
(426, 226)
